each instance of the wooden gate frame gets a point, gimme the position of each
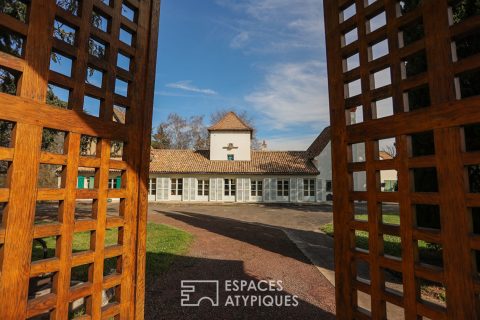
(29, 113)
(446, 116)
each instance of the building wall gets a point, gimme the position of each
(219, 140)
(86, 180)
(323, 162)
(243, 186)
(388, 180)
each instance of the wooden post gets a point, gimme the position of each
(444, 117)
(31, 114)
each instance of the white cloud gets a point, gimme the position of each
(274, 25)
(240, 40)
(289, 143)
(187, 86)
(293, 94)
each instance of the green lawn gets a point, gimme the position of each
(164, 243)
(392, 244)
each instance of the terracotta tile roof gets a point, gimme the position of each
(384, 155)
(320, 143)
(118, 114)
(231, 122)
(263, 162)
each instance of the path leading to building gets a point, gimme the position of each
(242, 243)
(301, 223)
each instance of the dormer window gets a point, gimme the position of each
(230, 157)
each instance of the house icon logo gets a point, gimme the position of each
(194, 292)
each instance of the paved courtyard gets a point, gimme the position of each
(301, 217)
(243, 242)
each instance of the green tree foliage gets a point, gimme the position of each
(465, 9)
(14, 8)
(5, 133)
(69, 5)
(53, 100)
(8, 82)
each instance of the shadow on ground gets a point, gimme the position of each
(163, 295)
(248, 232)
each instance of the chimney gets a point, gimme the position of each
(264, 146)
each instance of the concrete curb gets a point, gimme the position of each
(320, 255)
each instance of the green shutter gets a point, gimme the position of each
(119, 182)
(81, 182)
(91, 183)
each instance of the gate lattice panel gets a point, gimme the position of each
(404, 79)
(74, 74)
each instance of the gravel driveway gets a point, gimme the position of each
(228, 246)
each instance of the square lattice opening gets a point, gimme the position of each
(47, 211)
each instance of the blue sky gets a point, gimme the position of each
(263, 56)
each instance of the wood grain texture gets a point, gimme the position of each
(61, 285)
(142, 204)
(18, 222)
(30, 113)
(342, 207)
(33, 84)
(97, 239)
(445, 117)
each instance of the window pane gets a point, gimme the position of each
(329, 185)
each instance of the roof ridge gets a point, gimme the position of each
(262, 162)
(320, 143)
(227, 123)
(240, 119)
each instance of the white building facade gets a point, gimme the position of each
(231, 188)
(230, 171)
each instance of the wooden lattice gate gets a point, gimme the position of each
(404, 79)
(76, 80)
